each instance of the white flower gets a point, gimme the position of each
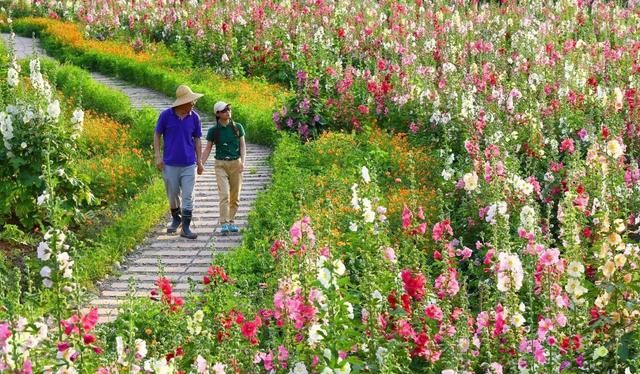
(201, 365)
(44, 252)
(355, 202)
(614, 149)
(78, 117)
(13, 77)
(470, 181)
(381, 353)
(338, 267)
(353, 227)
(345, 369)
(218, 368)
(53, 110)
(299, 368)
(324, 276)
(315, 334)
(349, 309)
(447, 173)
(47, 282)
(141, 348)
(527, 217)
(28, 116)
(365, 175)
(23, 145)
(45, 272)
(120, 349)
(369, 216)
(510, 273)
(517, 319)
(575, 269)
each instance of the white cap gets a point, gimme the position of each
(219, 106)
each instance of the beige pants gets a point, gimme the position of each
(229, 179)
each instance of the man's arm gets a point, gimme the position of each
(156, 147)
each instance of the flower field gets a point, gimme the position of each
(465, 198)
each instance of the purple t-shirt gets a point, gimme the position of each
(178, 134)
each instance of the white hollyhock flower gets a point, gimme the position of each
(614, 149)
(324, 276)
(299, 368)
(45, 272)
(13, 77)
(44, 252)
(53, 110)
(315, 334)
(470, 181)
(365, 175)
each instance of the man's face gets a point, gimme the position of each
(187, 107)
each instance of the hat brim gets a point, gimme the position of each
(187, 99)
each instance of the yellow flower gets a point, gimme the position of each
(608, 269)
(614, 238)
(620, 260)
(600, 352)
(614, 149)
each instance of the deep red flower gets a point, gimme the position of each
(413, 285)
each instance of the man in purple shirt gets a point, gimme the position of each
(180, 128)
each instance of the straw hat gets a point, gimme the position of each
(184, 95)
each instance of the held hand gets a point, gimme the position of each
(160, 165)
(241, 166)
(200, 168)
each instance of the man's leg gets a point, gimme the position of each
(187, 184)
(170, 175)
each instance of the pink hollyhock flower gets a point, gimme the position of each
(583, 134)
(538, 353)
(300, 228)
(406, 218)
(404, 329)
(549, 257)
(567, 146)
(5, 333)
(390, 254)
(70, 325)
(544, 326)
(434, 312)
(441, 228)
(90, 319)
(283, 356)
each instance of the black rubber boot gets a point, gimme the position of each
(186, 222)
(176, 220)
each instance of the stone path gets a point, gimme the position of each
(181, 259)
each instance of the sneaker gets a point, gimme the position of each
(224, 229)
(233, 227)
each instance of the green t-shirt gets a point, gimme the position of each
(226, 141)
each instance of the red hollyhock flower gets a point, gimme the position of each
(413, 285)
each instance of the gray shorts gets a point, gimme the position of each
(179, 182)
